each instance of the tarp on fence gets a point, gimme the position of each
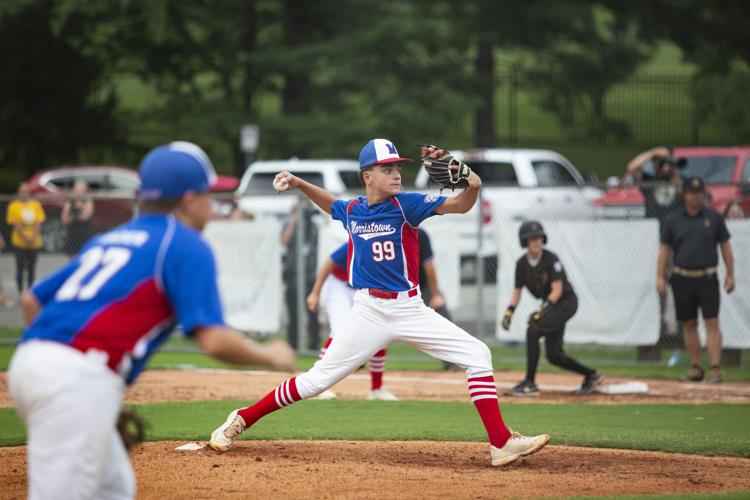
(612, 266)
(248, 258)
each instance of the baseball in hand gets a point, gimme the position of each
(280, 183)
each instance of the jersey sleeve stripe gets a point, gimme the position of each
(162, 253)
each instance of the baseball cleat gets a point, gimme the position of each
(382, 394)
(525, 389)
(517, 446)
(327, 394)
(694, 374)
(714, 375)
(223, 437)
(590, 383)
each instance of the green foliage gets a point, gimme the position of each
(322, 77)
(55, 102)
(699, 429)
(575, 76)
(724, 102)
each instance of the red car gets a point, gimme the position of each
(726, 171)
(113, 188)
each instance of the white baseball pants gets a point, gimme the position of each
(373, 323)
(69, 402)
(337, 298)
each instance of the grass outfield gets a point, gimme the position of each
(615, 361)
(712, 429)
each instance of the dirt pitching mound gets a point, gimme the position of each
(415, 469)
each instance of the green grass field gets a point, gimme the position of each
(713, 429)
(706, 429)
(615, 361)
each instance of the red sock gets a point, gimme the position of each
(283, 395)
(483, 394)
(324, 348)
(377, 367)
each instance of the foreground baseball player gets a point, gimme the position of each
(93, 324)
(383, 264)
(542, 273)
(332, 285)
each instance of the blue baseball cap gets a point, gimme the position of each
(379, 152)
(174, 169)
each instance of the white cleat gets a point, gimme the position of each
(382, 394)
(517, 446)
(223, 437)
(327, 394)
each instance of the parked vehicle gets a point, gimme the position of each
(257, 197)
(113, 188)
(726, 171)
(518, 184)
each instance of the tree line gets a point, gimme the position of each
(320, 77)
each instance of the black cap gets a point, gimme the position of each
(694, 184)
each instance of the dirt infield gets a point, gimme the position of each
(197, 385)
(346, 469)
(416, 469)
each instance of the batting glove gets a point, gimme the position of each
(507, 317)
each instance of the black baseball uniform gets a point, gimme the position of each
(693, 240)
(538, 280)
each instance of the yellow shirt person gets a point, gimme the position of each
(26, 217)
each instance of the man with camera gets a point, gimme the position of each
(661, 190)
(661, 195)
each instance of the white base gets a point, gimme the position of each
(625, 388)
(194, 446)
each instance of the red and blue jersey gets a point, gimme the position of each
(339, 262)
(123, 294)
(383, 248)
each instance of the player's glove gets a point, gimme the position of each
(507, 317)
(537, 315)
(444, 168)
(130, 427)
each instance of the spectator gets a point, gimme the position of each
(76, 215)
(661, 191)
(735, 210)
(308, 246)
(692, 235)
(5, 301)
(26, 216)
(661, 196)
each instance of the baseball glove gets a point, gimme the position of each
(131, 428)
(537, 315)
(444, 168)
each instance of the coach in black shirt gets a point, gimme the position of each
(692, 235)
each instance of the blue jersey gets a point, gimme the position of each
(383, 250)
(123, 294)
(339, 262)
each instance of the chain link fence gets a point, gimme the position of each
(610, 262)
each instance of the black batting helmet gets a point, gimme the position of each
(531, 229)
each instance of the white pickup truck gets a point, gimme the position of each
(518, 184)
(256, 196)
